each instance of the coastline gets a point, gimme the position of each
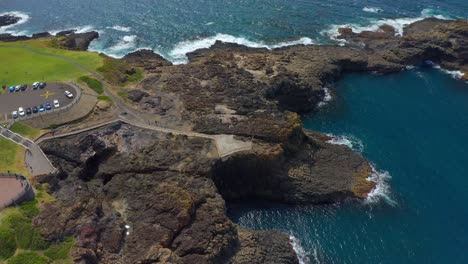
(273, 145)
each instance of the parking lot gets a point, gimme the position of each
(11, 101)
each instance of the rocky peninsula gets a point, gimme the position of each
(130, 195)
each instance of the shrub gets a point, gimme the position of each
(94, 84)
(30, 209)
(28, 258)
(7, 242)
(105, 98)
(60, 251)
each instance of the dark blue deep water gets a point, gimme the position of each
(412, 126)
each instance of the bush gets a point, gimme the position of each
(7, 242)
(105, 98)
(60, 251)
(30, 209)
(93, 84)
(28, 258)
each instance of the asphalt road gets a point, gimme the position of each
(11, 101)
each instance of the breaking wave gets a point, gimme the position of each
(121, 28)
(374, 25)
(455, 74)
(327, 98)
(350, 141)
(178, 54)
(300, 251)
(381, 192)
(23, 19)
(372, 9)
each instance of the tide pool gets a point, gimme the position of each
(413, 126)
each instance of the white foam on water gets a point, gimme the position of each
(372, 9)
(350, 141)
(327, 98)
(300, 251)
(121, 28)
(397, 23)
(381, 192)
(455, 74)
(178, 54)
(84, 29)
(124, 45)
(23, 19)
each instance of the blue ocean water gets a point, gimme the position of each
(174, 27)
(412, 125)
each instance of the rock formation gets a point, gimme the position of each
(170, 190)
(8, 19)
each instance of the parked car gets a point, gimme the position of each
(28, 111)
(68, 94)
(14, 114)
(35, 85)
(24, 87)
(41, 108)
(56, 104)
(42, 85)
(21, 111)
(11, 89)
(35, 109)
(48, 106)
(17, 88)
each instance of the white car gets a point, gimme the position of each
(68, 94)
(35, 85)
(21, 111)
(56, 104)
(14, 114)
(17, 88)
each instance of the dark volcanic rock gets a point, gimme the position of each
(170, 189)
(77, 41)
(146, 59)
(136, 95)
(8, 19)
(139, 204)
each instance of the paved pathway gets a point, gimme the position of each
(36, 161)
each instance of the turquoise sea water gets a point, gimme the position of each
(413, 126)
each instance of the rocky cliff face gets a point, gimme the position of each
(136, 196)
(170, 190)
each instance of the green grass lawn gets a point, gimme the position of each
(20, 66)
(25, 130)
(93, 84)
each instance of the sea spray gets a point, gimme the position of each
(178, 54)
(372, 9)
(299, 249)
(374, 25)
(381, 192)
(23, 18)
(327, 98)
(350, 141)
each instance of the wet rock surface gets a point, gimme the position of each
(170, 190)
